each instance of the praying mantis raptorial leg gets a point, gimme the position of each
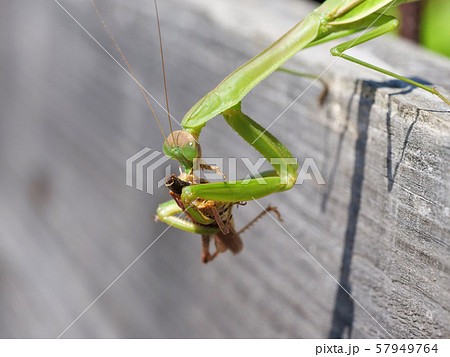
(169, 212)
(271, 148)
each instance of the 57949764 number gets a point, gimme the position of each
(406, 348)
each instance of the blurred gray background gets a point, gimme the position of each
(69, 226)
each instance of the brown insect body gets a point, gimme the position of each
(219, 213)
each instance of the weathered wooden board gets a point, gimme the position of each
(69, 118)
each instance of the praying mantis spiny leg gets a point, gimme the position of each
(273, 150)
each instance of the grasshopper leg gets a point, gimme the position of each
(206, 256)
(268, 209)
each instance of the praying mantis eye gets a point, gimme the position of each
(191, 150)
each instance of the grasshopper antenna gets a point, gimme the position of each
(162, 62)
(100, 17)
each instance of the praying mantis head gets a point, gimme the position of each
(182, 146)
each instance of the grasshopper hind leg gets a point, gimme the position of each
(206, 256)
(266, 210)
(222, 242)
(232, 239)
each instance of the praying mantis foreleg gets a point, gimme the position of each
(282, 178)
(205, 218)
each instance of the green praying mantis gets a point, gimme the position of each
(208, 206)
